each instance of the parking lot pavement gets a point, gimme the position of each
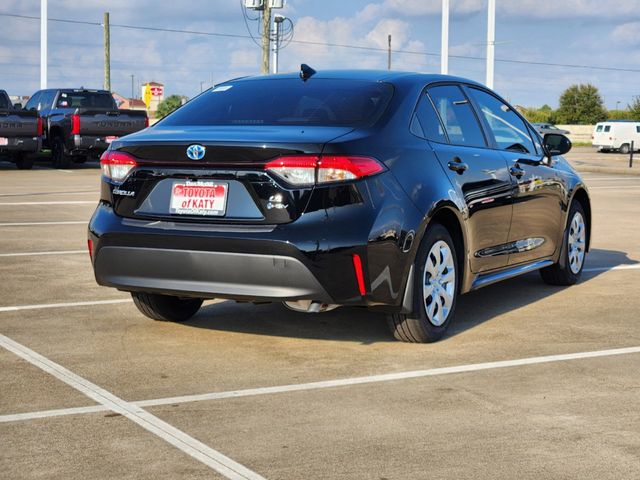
(588, 159)
(388, 411)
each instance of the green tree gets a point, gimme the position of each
(169, 104)
(581, 104)
(634, 109)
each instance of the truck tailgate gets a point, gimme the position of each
(116, 123)
(18, 123)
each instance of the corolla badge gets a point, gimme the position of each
(196, 152)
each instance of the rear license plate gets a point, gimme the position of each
(4, 141)
(110, 139)
(199, 198)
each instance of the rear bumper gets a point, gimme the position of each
(21, 145)
(207, 274)
(84, 143)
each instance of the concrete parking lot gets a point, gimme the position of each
(533, 382)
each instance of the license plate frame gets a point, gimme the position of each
(202, 198)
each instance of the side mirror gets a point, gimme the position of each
(556, 144)
(17, 106)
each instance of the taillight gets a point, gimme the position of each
(116, 165)
(40, 127)
(75, 124)
(146, 122)
(306, 170)
(90, 247)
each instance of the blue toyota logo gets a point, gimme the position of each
(196, 152)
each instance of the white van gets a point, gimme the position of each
(616, 135)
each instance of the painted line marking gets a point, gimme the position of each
(70, 202)
(33, 224)
(635, 266)
(344, 382)
(618, 187)
(18, 308)
(179, 439)
(30, 254)
(81, 192)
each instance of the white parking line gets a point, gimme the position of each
(634, 266)
(63, 305)
(33, 224)
(30, 254)
(189, 445)
(617, 187)
(343, 382)
(70, 202)
(29, 194)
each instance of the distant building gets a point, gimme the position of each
(21, 99)
(128, 103)
(152, 93)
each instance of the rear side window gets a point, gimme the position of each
(598, 128)
(508, 129)
(607, 128)
(459, 121)
(85, 100)
(430, 125)
(287, 101)
(638, 128)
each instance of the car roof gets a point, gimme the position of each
(390, 76)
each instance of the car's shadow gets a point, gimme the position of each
(43, 162)
(361, 325)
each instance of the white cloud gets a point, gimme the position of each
(628, 33)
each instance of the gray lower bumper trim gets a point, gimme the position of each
(207, 274)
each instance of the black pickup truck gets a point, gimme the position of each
(79, 123)
(20, 133)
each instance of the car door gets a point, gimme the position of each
(537, 223)
(479, 174)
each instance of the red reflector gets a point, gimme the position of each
(357, 266)
(146, 122)
(75, 124)
(90, 246)
(40, 129)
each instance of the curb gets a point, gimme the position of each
(613, 170)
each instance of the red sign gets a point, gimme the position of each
(156, 91)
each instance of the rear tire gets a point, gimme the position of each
(59, 158)
(624, 148)
(166, 308)
(23, 162)
(574, 251)
(435, 290)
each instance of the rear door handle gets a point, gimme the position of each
(516, 171)
(457, 166)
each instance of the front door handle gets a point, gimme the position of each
(457, 166)
(516, 171)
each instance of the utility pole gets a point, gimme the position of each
(132, 86)
(491, 41)
(266, 36)
(43, 44)
(107, 52)
(389, 52)
(444, 45)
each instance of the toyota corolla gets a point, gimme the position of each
(392, 191)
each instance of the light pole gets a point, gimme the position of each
(43, 44)
(491, 40)
(617, 103)
(444, 44)
(277, 23)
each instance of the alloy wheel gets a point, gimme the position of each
(439, 283)
(576, 243)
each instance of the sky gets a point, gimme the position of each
(600, 33)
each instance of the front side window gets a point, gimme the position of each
(508, 129)
(638, 128)
(459, 121)
(599, 128)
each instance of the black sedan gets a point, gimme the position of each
(392, 191)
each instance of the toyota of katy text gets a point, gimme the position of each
(392, 191)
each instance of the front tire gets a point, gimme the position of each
(574, 251)
(624, 148)
(435, 290)
(166, 308)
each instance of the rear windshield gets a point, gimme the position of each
(287, 101)
(85, 100)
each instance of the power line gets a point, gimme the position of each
(335, 45)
